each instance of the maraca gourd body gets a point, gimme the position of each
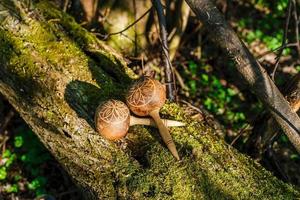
(146, 97)
(112, 120)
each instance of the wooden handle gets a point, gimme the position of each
(172, 123)
(150, 122)
(164, 132)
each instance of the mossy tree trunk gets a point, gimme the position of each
(55, 74)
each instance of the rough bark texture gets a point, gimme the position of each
(265, 129)
(249, 68)
(55, 73)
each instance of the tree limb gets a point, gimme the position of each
(266, 128)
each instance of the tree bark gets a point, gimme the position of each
(265, 129)
(55, 74)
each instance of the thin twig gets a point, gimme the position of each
(239, 134)
(106, 36)
(287, 21)
(6, 121)
(169, 73)
(192, 106)
(143, 65)
(135, 29)
(181, 81)
(126, 36)
(66, 3)
(276, 49)
(3, 143)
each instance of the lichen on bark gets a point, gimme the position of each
(55, 74)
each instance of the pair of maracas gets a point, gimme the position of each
(144, 98)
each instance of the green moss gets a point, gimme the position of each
(43, 54)
(87, 41)
(209, 169)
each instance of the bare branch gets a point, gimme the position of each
(277, 49)
(287, 21)
(106, 36)
(169, 74)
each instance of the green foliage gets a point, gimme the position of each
(295, 157)
(38, 185)
(278, 8)
(18, 141)
(24, 149)
(7, 159)
(217, 97)
(12, 188)
(268, 28)
(298, 68)
(3, 173)
(283, 138)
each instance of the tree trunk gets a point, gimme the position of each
(55, 74)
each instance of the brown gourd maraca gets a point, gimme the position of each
(146, 97)
(112, 120)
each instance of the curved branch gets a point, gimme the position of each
(284, 39)
(169, 73)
